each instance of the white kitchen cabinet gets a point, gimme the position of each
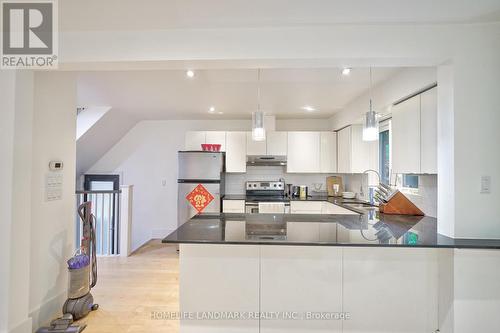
(303, 152)
(276, 143)
(218, 279)
(406, 136)
(390, 290)
(354, 154)
(344, 150)
(236, 158)
(328, 152)
(414, 134)
(329, 208)
(194, 140)
(233, 206)
(428, 131)
(300, 279)
(306, 207)
(255, 147)
(216, 137)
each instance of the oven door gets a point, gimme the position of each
(251, 207)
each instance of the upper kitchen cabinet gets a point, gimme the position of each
(328, 152)
(354, 154)
(236, 147)
(428, 131)
(414, 134)
(255, 147)
(194, 139)
(304, 152)
(276, 143)
(216, 137)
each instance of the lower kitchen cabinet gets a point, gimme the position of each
(390, 290)
(236, 148)
(306, 207)
(216, 279)
(301, 280)
(329, 208)
(382, 290)
(233, 206)
(318, 207)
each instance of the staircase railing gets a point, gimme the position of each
(106, 209)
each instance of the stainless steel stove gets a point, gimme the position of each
(265, 192)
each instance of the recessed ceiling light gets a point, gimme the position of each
(220, 112)
(212, 109)
(190, 74)
(308, 108)
(346, 71)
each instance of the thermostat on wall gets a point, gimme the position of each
(55, 165)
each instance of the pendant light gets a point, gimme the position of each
(370, 126)
(258, 130)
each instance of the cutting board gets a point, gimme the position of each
(332, 180)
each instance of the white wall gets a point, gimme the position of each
(147, 155)
(7, 91)
(16, 126)
(88, 117)
(402, 84)
(53, 223)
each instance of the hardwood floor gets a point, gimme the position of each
(129, 289)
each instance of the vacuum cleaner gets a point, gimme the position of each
(82, 268)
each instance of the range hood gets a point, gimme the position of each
(266, 160)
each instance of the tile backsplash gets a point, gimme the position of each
(235, 182)
(426, 199)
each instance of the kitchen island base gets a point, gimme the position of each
(277, 288)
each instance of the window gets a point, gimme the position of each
(410, 181)
(385, 151)
(385, 155)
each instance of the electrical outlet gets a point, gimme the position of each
(164, 182)
(486, 184)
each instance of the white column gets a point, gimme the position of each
(126, 219)
(15, 199)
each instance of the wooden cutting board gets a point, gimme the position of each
(332, 180)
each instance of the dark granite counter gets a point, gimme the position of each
(368, 229)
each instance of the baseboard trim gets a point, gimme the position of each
(47, 311)
(25, 327)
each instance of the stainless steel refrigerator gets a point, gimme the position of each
(195, 168)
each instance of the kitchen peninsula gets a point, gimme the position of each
(366, 272)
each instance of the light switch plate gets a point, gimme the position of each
(485, 184)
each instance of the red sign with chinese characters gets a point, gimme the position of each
(199, 198)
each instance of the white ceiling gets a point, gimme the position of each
(78, 15)
(169, 94)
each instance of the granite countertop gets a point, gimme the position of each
(368, 229)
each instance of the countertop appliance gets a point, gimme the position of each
(265, 192)
(199, 168)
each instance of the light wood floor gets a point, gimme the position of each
(130, 289)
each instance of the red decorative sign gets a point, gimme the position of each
(199, 198)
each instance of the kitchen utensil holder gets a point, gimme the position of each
(399, 204)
